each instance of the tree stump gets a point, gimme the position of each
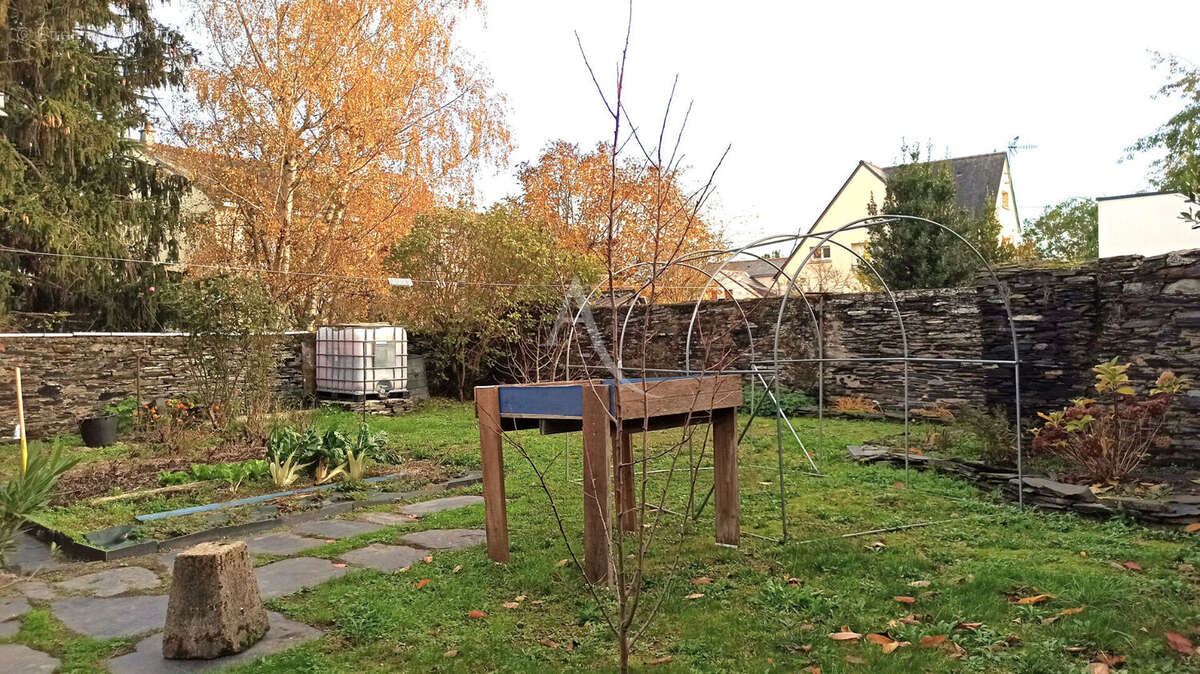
(215, 608)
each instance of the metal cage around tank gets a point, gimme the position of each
(362, 360)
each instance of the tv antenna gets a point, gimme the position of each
(1013, 145)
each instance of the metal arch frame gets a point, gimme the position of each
(825, 237)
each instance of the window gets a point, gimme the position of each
(860, 249)
(1004, 200)
(821, 254)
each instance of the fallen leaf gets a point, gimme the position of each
(694, 595)
(765, 484)
(795, 581)
(422, 583)
(1180, 643)
(920, 583)
(905, 600)
(659, 661)
(813, 670)
(519, 597)
(476, 613)
(511, 604)
(970, 627)
(1132, 566)
(549, 643)
(339, 566)
(1192, 528)
(1098, 668)
(451, 653)
(898, 485)
(331, 540)
(1035, 599)
(845, 635)
(933, 642)
(562, 562)
(955, 651)
(1075, 649)
(1110, 660)
(854, 660)
(910, 619)
(403, 569)
(1069, 611)
(702, 580)
(537, 602)
(429, 560)
(456, 569)
(888, 648)
(877, 545)
(879, 639)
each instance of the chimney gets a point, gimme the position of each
(148, 135)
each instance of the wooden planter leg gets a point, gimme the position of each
(595, 483)
(623, 476)
(725, 476)
(487, 409)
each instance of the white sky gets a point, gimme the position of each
(802, 91)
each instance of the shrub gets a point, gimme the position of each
(1108, 439)
(791, 402)
(993, 430)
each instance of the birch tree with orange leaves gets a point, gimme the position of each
(321, 127)
(655, 216)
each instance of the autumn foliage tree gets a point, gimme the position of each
(323, 126)
(655, 215)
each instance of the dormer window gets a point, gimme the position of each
(821, 254)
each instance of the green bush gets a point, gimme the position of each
(791, 402)
(29, 492)
(123, 410)
(993, 430)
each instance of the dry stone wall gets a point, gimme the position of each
(66, 377)
(1142, 310)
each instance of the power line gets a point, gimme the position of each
(390, 280)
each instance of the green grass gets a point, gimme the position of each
(750, 618)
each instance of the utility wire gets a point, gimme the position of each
(306, 274)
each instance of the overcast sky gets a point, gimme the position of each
(802, 91)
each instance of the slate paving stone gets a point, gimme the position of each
(280, 543)
(18, 659)
(386, 519)
(289, 575)
(147, 658)
(335, 529)
(112, 582)
(112, 617)
(446, 539)
(437, 505)
(13, 608)
(29, 555)
(36, 589)
(384, 557)
(9, 629)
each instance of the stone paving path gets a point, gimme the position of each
(99, 604)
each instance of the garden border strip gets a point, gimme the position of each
(1043, 491)
(90, 553)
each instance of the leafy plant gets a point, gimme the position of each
(29, 492)
(1108, 439)
(283, 474)
(993, 430)
(234, 474)
(356, 465)
(124, 410)
(791, 402)
(168, 478)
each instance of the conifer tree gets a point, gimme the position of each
(75, 76)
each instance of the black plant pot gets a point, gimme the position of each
(99, 431)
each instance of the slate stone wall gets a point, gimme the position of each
(65, 377)
(1143, 310)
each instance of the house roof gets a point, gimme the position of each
(977, 178)
(753, 267)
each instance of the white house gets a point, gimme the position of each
(1144, 224)
(984, 183)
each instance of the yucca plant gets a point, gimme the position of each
(285, 473)
(29, 492)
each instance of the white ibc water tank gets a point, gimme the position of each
(362, 359)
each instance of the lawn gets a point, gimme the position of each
(970, 567)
